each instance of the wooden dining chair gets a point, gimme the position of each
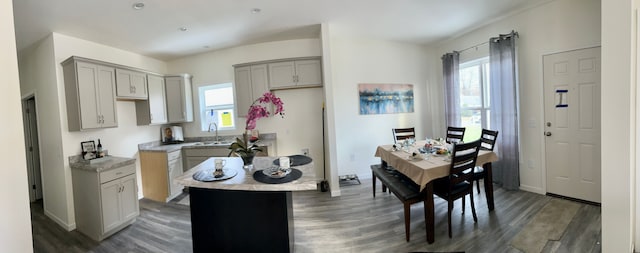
(455, 134)
(400, 134)
(487, 142)
(459, 184)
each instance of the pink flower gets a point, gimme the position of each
(257, 111)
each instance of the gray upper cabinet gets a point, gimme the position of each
(295, 74)
(92, 87)
(282, 74)
(250, 83)
(131, 84)
(179, 98)
(153, 110)
(90, 93)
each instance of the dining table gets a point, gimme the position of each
(424, 168)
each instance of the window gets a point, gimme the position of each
(475, 102)
(216, 106)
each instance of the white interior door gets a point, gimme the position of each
(572, 123)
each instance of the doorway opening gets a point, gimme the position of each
(32, 148)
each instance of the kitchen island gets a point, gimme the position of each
(241, 214)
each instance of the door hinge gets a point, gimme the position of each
(33, 186)
(31, 149)
(26, 110)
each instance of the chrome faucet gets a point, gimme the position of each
(216, 129)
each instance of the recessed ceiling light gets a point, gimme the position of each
(183, 29)
(138, 6)
(256, 10)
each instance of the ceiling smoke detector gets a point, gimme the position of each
(138, 6)
(256, 10)
(183, 29)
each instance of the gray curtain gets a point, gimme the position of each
(451, 74)
(504, 109)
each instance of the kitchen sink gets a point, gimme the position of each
(213, 143)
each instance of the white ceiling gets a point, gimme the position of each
(215, 24)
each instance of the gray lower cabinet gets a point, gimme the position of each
(106, 201)
(175, 170)
(195, 156)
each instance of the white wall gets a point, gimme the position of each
(619, 126)
(553, 27)
(357, 60)
(302, 125)
(40, 65)
(15, 232)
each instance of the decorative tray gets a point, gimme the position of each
(206, 175)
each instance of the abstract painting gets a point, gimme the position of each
(385, 98)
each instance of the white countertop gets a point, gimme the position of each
(244, 181)
(102, 164)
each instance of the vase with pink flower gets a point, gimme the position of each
(244, 147)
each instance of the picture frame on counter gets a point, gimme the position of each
(88, 150)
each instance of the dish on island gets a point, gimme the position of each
(276, 172)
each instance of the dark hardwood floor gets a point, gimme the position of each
(353, 222)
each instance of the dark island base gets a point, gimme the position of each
(241, 221)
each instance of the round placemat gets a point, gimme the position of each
(261, 177)
(296, 160)
(206, 175)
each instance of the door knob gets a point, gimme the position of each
(547, 133)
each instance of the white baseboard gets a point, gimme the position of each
(335, 193)
(68, 227)
(532, 189)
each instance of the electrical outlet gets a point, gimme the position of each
(305, 151)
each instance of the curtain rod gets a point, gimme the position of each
(474, 46)
(511, 34)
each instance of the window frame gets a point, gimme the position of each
(485, 97)
(204, 122)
